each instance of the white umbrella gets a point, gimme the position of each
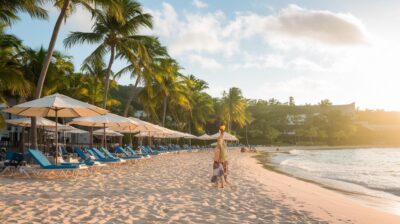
(107, 120)
(145, 126)
(26, 122)
(76, 131)
(56, 105)
(108, 132)
(189, 136)
(142, 126)
(204, 137)
(227, 136)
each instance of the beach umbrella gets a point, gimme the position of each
(26, 122)
(204, 137)
(227, 136)
(56, 105)
(139, 127)
(108, 132)
(189, 136)
(76, 131)
(142, 126)
(107, 120)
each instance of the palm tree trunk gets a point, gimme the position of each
(107, 78)
(131, 96)
(164, 110)
(45, 66)
(247, 137)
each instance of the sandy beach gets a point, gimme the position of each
(176, 188)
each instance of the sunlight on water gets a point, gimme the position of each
(373, 174)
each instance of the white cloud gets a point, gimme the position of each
(294, 25)
(261, 61)
(204, 62)
(279, 61)
(323, 26)
(303, 88)
(166, 22)
(203, 34)
(191, 32)
(199, 4)
(291, 26)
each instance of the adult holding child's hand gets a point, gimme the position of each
(221, 152)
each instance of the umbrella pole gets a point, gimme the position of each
(56, 136)
(91, 137)
(65, 139)
(104, 135)
(130, 137)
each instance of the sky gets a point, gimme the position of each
(345, 51)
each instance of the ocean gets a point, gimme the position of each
(370, 175)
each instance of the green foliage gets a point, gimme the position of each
(10, 9)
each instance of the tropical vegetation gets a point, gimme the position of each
(159, 92)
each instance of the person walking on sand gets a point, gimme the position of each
(221, 152)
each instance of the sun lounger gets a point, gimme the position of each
(14, 162)
(147, 150)
(87, 160)
(125, 154)
(108, 153)
(133, 152)
(102, 158)
(45, 165)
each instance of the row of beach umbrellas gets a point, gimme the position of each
(58, 105)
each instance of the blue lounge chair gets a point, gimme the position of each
(63, 151)
(147, 150)
(133, 152)
(83, 156)
(14, 162)
(108, 153)
(46, 165)
(120, 150)
(102, 158)
(44, 162)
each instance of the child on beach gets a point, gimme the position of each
(218, 174)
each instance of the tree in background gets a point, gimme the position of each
(234, 107)
(144, 70)
(12, 79)
(116, 36)
(9, 10)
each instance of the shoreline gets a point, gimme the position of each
(324, 203)
(376, 199)
(322, 147)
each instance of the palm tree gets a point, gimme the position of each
(59, 70)
(141, 69)
(202, 107)
(202, 111)
(115, 36)
(9, 10)
(171, 88)
(234, 107)
(66, 6)
(164, 91)
(12, 79)
(92, 83)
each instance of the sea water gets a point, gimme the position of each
(371, 175)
